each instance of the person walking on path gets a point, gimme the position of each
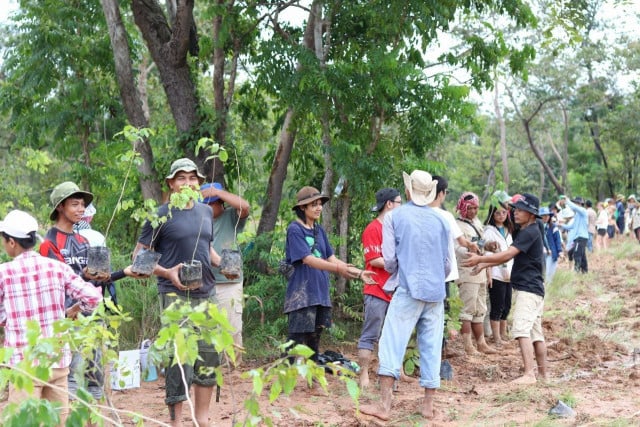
(34, 288)
(415, 244)
(578, 232)
(376, 299)
(186, 235)
(528, 284)
(230, 213)
(473, 288)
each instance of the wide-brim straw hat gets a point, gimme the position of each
(421, 186)
(308, 195)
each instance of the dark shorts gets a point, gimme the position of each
(602, 231)
(309, 319)
(201, 373)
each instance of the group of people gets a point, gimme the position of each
(56, 283)
(413, 251)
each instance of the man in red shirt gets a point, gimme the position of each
(376, 300)
(33, 287)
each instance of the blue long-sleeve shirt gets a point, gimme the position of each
(415, 243)
(554, 240)
(579, 227)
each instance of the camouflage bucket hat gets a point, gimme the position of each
(184, 165)
(64, 191)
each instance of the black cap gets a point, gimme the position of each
(383, 196)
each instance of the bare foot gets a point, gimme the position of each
(427, 410)
(375, 411)
(525, 379)
(406, 378)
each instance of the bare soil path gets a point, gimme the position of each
(592, 329)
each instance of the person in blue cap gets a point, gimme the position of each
(230, 213)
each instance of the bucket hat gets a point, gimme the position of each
(500, 198)
(529, 203)
(184, 165)
(63, 191)
(308, 195)
(544, 211)
(383, 196)
(421, 187)
(18, 224)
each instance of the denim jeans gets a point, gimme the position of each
(551, 268)
(403, 314)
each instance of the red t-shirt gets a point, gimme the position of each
(372, 245)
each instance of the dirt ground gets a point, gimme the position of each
(593, 339)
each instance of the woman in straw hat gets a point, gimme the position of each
(307, 301)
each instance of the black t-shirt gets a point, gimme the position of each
(526, 274)
(186, 235)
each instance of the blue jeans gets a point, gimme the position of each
(551, 268)
(403, 315)
(590, 243)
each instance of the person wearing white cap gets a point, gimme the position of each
(415, 244)
(33, 288)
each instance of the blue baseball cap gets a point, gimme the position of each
(215, 185)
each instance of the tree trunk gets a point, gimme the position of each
(283, 154)
(594, 129)
(503, 138)
(278, 174)
(131, 100)
(169, 48)
(343, 252)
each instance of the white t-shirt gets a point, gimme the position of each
(454, 233)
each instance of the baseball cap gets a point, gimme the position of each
(383, 196)
(215, 185)
(18, 224)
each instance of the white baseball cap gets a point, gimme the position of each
(18, 224)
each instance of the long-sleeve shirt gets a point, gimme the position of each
(579, 227)
(415, 243)
(33, 287)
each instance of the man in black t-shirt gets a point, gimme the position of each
(527, 281)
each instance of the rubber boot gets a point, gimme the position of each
(478, 332)
(497, 337)
(364, 360)
(468, 345)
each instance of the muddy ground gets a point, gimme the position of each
(593, 333)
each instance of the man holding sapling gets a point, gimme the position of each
(230, 213)
(69, 204)
(186, 236)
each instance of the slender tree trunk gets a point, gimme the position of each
(283, 154)
(594, 129)
(503, 138)
(131, 99)
(343, 252)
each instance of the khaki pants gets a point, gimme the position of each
(55, 390)
(230, 296)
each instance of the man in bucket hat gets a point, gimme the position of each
(63, 243)
(187, 235)
(415, 244)
(528, 284)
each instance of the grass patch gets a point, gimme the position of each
(525, 395)
(562, 287)
(626, 250)
(615, 310)
(569, 399)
